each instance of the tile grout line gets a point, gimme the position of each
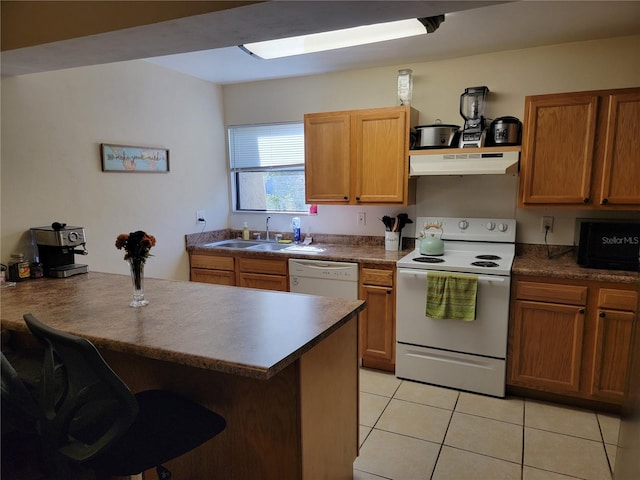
(524, 416)
(604, 445)
(435, 464)
(524, 427)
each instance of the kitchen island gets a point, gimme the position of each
(281, 368)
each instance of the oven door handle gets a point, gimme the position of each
(424, 273)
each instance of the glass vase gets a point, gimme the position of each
(137, 277)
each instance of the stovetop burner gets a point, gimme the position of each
(488, 257)
(428, 259)
(484, 263)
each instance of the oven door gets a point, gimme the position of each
(486, 335)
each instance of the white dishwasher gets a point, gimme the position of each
(324, 278)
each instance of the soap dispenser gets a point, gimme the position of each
(245, 231)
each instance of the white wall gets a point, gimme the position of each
(510, 76)
(52, 125)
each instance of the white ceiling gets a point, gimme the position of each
(474, 31)
(205, 46)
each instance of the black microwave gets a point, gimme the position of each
(609, 245)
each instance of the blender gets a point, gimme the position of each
(472, 103)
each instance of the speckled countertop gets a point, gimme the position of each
(339, 248)
(249, 332)
(530, 259)
(534, 260)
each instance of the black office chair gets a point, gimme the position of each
(94, 421)
(19, 409)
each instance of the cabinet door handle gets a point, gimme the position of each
(602, 315)
(346, 198)
(581, 311)
(357, 199)
(605, 201)
(388, 292)
(585, 200)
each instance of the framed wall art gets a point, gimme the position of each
(125, 158)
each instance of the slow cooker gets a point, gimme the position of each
(438, 135)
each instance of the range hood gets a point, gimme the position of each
(464, 161)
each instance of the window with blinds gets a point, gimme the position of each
(267, 167)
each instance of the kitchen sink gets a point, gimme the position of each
(304, 249)
(233, 244)
(264, 246)
(270, 247)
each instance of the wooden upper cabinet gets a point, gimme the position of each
(380, 154)
(621, 165)
(558, 148)
(580, 150)
(359, 156)
(327, 157)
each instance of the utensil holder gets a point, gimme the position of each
(392, 241)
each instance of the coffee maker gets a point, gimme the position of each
(57, 246)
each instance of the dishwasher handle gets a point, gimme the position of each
(320, 265)
(323, 269)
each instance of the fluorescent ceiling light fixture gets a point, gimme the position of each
(348, 37)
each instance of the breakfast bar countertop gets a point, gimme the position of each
(247, 332)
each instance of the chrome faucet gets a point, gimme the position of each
(267, 236)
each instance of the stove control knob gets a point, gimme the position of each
(490, 225)
(463, 224)
(503, 227)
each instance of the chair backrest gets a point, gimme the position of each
(84, 406)
(19, 409)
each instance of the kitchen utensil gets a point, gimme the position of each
(430, 244)
(403, 219)
(472, 103)
(438, 135)
(388, 222)
(505, 131)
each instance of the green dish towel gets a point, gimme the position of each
(451, 296)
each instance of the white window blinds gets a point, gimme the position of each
(266, 146)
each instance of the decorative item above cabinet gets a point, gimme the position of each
(358, 157)
(581, 150)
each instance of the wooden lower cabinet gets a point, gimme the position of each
(612, 353)
(377, 321)
(250, 272)
(549, 339)
(265, 273)
(217, 269)
(571, 337)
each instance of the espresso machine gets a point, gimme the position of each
(57, 246)
(472, 103)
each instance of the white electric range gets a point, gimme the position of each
(471, 355)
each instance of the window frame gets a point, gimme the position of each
(234, 172)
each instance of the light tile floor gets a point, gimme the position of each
(412, 431)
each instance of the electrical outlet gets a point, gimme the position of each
(362, 219)
(200, 218)
(546, 224)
